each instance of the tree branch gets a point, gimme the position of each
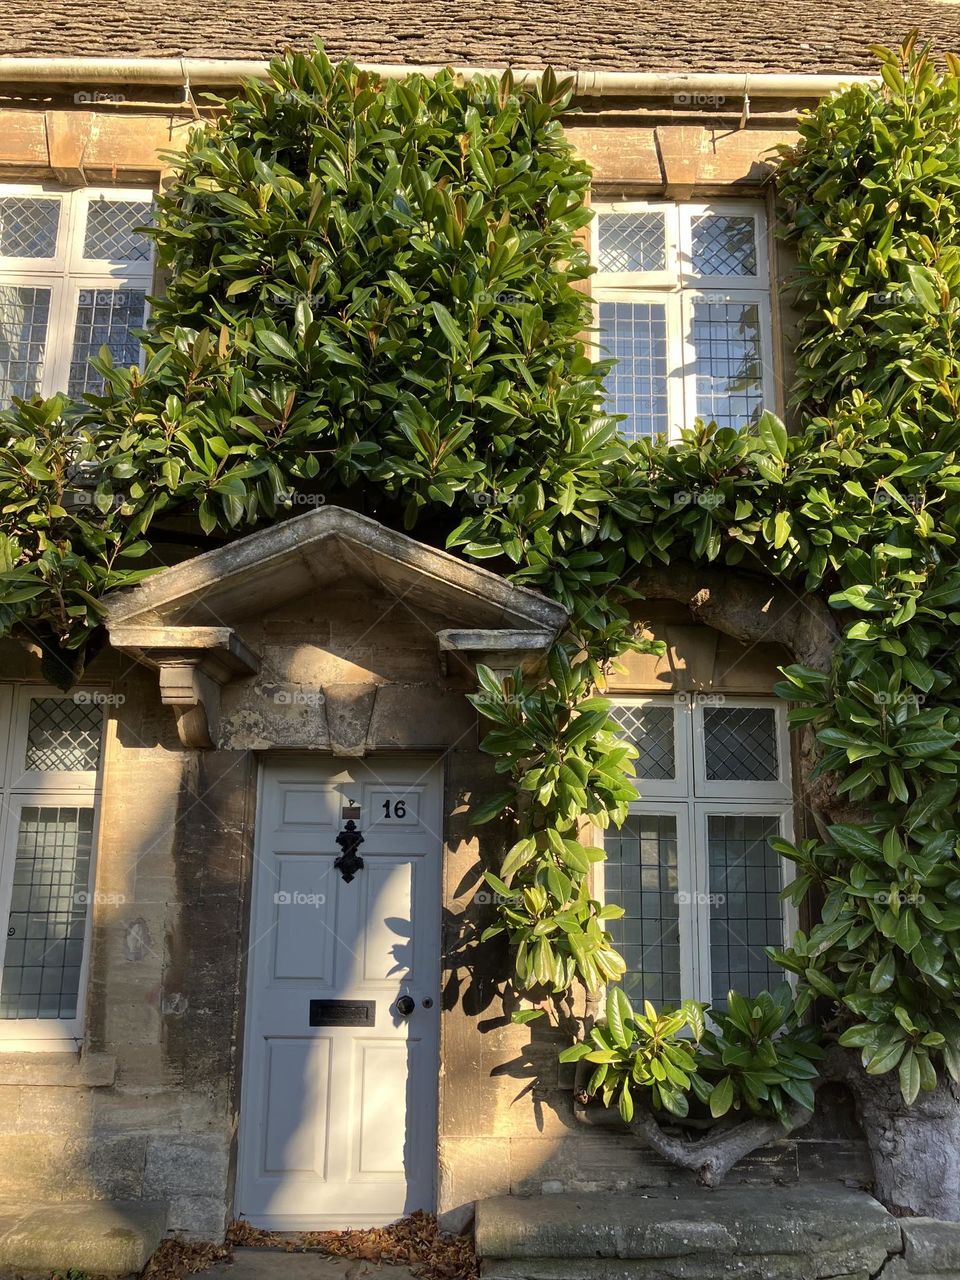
(748, 608)
(713, 1157)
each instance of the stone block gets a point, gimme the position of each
(733, 1230)
(61, 1111)
(198, 1217)
(197, 1168)
(9, 1109)
(471, 1169)
(931, 1246)
(100, 1238)
(770, 1267)
(898, 1269)
(58, 1070)
(105, 1168)
(31, 1166)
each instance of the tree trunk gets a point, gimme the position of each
(713, 1156)
(915, 1150)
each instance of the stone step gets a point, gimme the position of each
(752, 1233)
(97, 1236)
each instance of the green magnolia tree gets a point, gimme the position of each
(372, 299)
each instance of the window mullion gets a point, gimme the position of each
(688, 356)
(59, 337)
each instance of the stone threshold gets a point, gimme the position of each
(813, 1231)
(100, 1237)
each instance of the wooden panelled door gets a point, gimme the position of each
(339, 1101)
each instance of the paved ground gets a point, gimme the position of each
(275, 1264)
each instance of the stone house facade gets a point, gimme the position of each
(198, 1009)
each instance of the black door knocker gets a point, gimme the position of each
(349, 862)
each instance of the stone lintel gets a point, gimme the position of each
(501, 650)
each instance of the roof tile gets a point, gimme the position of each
(670, 35)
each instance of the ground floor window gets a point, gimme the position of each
(50, 752)
(692, 866)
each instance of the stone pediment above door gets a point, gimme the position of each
(313, 632)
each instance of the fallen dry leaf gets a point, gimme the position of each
(174, 1259)
(415, 1242)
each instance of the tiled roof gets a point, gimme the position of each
(621, 35)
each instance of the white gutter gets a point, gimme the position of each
(94, 72)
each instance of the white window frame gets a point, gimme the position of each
(677, 287)
(690, 798)
(68, 272)
(20, 788)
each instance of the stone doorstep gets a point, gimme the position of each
(100, 1237)
(781, 1267)
(731, 1224)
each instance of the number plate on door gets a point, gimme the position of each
(343, 1013)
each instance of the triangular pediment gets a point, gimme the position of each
(316, 552)
(196, 623)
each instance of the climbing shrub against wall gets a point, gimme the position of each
(373, 299)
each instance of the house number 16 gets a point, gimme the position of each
(395, 809)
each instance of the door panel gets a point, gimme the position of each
(291, 1146)
(338, 1119)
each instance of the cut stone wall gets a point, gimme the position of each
(150, 1109)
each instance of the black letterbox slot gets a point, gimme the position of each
(343, 1013)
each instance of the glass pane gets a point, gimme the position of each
(650, 729)
(64, 735)
(104, 318)
(636, 334)
(724, 245)
(24, 316)
(746, 913)
(110, 230)
(728, 362)
(740, 744)
(631, 242)
(48, 914)
(640, 875)
(28, 226)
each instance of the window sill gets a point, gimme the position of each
(60, 1070)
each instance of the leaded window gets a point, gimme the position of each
(75, 272)
(51, 747)
(692, 866)
(682, 303)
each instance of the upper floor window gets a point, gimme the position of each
(74, 277)
(682, 295)
(692, 866)
(50, 758)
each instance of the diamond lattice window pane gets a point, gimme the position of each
(740, 744)
(746, 913)
(651, 731)
(105, 318)
(729, 362)
(640, 875)
(635, 334)
(24, 317)
(28, 226)
(724, 245)
(48, 913)
(64, 735)
(110, 230)
(631, 242)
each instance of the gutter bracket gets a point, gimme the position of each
(745, 113)
(188, 99)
